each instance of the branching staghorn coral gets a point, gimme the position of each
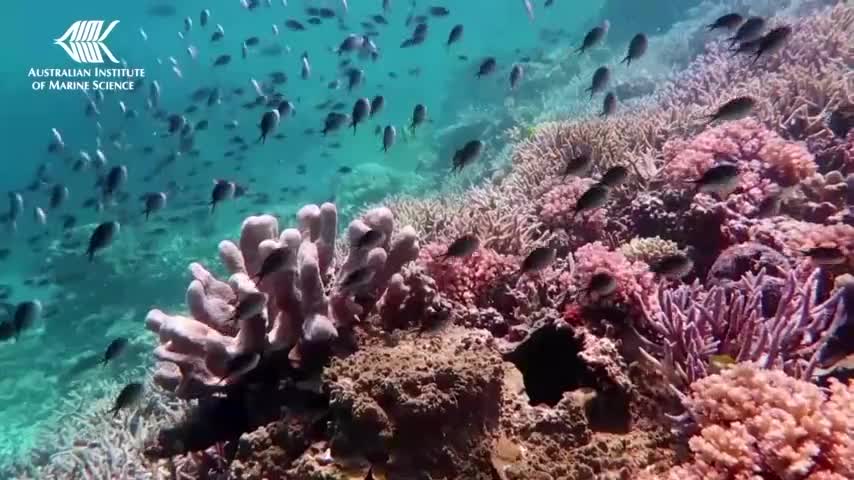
(757, 423)
(306, 303)
(686, 325)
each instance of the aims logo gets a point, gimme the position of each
(84, 41)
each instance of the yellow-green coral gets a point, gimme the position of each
(648, 250)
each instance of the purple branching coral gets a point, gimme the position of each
(690, 324)
(306, 304)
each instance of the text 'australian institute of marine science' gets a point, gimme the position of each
(85, 79)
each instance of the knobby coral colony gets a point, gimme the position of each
(724, 307)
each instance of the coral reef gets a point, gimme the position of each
(756, 423)
(296, 312)
(391, 356)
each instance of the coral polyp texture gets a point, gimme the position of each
(304, 304)
(756, 423)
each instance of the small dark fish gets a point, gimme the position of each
(487, 66)
(114, 349)
(637, 48)
(377, 105)
(176, 123)
(250, 305)
(274, 262)
(351, 43)
(462, 247)
(602, 284)
(326, 13)
(26, 314)
(222, 190)
(600, 80)
(129, 395)
(372, 238)
(116, 177)
(102, 237)
(609, 105)
(719, 178)
(201, 125)
(578, 166)
(455, 35)
(252, 41)
(825, 256)
(345, 170)
(222, 60)
(674, 266)
(516, 74)
(240, 364)
(772, 41)
(354, 78)
(728, 21)
(419, 114)
(357, 278)
(154, 202)
(379, 19)
(467, 155)
(735, 109)
(333, 122)
(294, 25)
(204, 16)
(7, 330)
(593, 37)
(389, 136)
(840, 123)
(361, 111)
(269, 123)
(614, 176)
(595, 197)
(439, 11)
(751, 29)
(746, 47)
(538, 260)
(286, 108)
(58, 195)
(314, 21)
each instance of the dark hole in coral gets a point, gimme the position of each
(550, 365)
(609, 412)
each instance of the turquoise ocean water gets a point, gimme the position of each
(52, 368)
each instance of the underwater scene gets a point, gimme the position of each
(427, 240)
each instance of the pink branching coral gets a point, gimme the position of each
(467, 280)
(634, 280)
(195, 351)
(758, 423)
(758, 151)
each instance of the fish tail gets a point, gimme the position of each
(147, 213)
(91, 253)
(213, 206)
(756, 57)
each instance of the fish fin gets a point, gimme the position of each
(755, 58)
(91, 254)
